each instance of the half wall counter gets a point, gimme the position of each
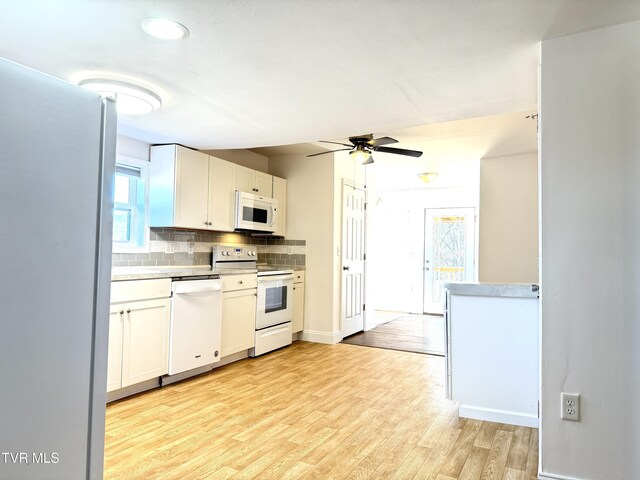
(492, 352)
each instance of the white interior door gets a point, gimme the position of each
(353, 201)
(449, 254)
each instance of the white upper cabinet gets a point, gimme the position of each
(222, 176)
(190, 189)
(253, 181)
(280, 194)
(262, 182)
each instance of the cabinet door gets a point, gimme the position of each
(192, 188)
(298, 307)
(145, 341)
(238, 321)
(280, 193)
(244, 179)
(222, 179)
(263, 184)
(114, 355)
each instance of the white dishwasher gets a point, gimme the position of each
(196, 316)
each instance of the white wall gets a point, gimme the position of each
(310, 217)
(508, 219)
(590, 247)
(132, 148)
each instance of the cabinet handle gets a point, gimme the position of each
(294, 288)
(121, 312)
(206, 223)
(240, 282)
(128, 310)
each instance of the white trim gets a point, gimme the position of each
(552, 476)
(499, 416)
(316, 336)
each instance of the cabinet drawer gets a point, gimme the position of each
(298, 276)
(239, 282)
(271, 338)
(134, 290)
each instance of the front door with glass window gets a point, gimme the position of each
(449, 254)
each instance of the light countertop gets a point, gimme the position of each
(518, 290)
(143, 273)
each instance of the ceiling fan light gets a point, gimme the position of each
(428, 177)
(164, 29)
(361, 155)
(130, 99)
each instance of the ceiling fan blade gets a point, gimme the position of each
(329, 151)
(337, 143)
(398, 151)
(378, 142)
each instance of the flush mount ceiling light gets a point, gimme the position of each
(428, 177)
(164, 29)
(131, 99)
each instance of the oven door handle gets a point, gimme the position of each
(275, 278)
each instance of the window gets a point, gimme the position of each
(130, 232)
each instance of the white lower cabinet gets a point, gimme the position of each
(138, 335)
(297, 324)
(238, 313)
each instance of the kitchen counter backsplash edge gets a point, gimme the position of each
(170, 247)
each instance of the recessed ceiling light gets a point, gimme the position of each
(130, 99)
(164, 29)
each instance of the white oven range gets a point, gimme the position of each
(274, 310)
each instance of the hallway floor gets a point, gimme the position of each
(406, 332)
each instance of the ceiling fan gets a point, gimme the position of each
(363, 146)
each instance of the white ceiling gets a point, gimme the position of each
(258, 73)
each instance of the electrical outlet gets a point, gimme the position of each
(570, 406)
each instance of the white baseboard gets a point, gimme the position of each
(316, 336)
(551, 476)
(499, 416)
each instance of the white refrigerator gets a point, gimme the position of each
(57, 160)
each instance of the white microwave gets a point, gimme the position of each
(254, 212)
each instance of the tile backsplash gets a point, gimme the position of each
(170, 246)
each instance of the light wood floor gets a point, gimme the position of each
(313, 411)
(407, 332)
